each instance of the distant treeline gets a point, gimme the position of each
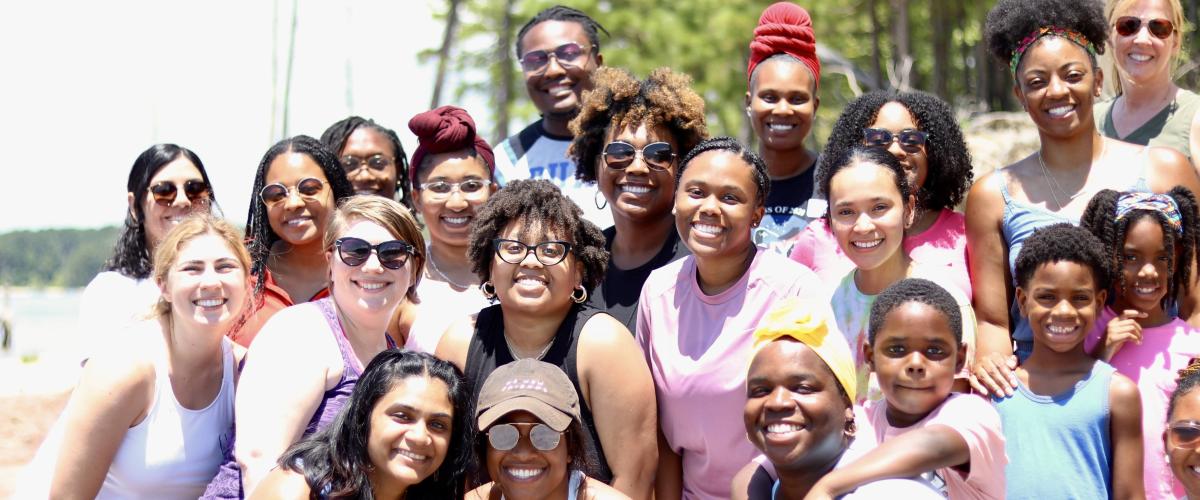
(54, 257)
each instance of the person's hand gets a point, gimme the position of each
(1120, 330)
(995, 374)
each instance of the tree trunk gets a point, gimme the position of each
(902, 59)
(504, 92)
(287, 81)
(942, 33)
(439, 80)
(876, 54)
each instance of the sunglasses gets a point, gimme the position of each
(354, 252)
(1129, 25)
(1183, 435)
(910, 139)
(504, 437)
(308, 187)
(377, 162)
(164, 192)
(469, 188)
(548, 253)
(619, 155)
(565, 54)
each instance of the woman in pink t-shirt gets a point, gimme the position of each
(696, 317)
(919, 129)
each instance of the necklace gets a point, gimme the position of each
(1054, 183)
(513, 352)
(433, 264)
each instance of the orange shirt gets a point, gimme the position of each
(272, 300)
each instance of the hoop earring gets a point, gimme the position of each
(488, 289)
(581, 297)
(600, 201)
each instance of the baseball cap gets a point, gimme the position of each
(534, 386)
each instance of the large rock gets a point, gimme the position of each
(999, 139)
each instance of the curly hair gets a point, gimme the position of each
(1063, 242)
(336, 456)
(1100, 219)
(565, 14)
(259, 234)
(861, 154)
(131, 255)
(335, 138)
(758, 167)
(537, 203)
(1010, 21)
(914, 290)
(618, 100)
(950, 174)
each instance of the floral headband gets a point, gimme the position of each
(1074, 36)
(1160, 203)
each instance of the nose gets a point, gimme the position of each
(710, 205)
(896, 150)
(780, 399)
(1062, 309)
(1147, 270)
(293, 199)
(372, 264)
(1056, 87)
(418, 434)
(783, 107)
(914, 364)
(864, 223)
(553, 67)
(457, 199)
(531, 259)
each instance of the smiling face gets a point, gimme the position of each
(297, 219)
(782, 104)
(1141, 57)
(159, 219)
(448, 217)
(867, 214)
(638, 192)
(1144, 267)
(915, 358)
(364, 143)
(1057, 84)
(206, 284)
(1061, 301)
(556, 89)
(1185, 462)
(525, 472)
(410, 432)
(530, 286)
(716, 204)
(370, 292)
(894, 117)
(794, 411)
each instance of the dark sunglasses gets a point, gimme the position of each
(910, 139)
(1183, 435)
(548, 253)
(504, 437)
(566, 54)
(308, 187)
(164, 192)
(1129, 25)
(377, 162)
(657, 155)
(354, 252)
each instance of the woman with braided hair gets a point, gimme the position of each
(372, 157)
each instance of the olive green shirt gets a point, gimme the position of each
(1171, 127)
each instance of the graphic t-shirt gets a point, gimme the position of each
(535, 154)
(790, 206)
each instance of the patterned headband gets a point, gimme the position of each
(1074, 36)
(1160, 203)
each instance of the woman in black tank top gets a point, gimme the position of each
(538, 258)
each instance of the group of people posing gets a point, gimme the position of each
(675, 315)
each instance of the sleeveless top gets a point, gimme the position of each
(488, 350)
(1079, 465)
(572, 486)
(1170, 128)
(174, 451)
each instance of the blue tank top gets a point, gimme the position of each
(1059, 446)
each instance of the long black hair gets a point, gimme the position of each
(334, 460)
(335, 138)
(131, 255)
(259, 234)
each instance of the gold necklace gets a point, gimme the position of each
(513, 352)
(433, 264)
(1054, 183)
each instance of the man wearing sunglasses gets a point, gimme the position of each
(557, 51)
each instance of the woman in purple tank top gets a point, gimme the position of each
(304, 364)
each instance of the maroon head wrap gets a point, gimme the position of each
(785, 28)
(448, 128)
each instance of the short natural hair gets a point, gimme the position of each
(914, 290)
(196, 225)
(388, 214)
(1063, 243)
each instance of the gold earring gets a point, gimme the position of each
(488, 289)
(581, 297)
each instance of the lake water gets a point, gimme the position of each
(43, 321)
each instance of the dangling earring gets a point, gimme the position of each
(488, 289)
(600, 200)
(581, 296)
(851, 428)
(749, 114)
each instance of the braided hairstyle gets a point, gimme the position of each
(565, 14)
(1189, 380)
(259, 234)
(1100, 219)
(731, 145)
(1010, 21)
(335, 138)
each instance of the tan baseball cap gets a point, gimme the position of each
(534, 386)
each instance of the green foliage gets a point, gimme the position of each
(54, 257)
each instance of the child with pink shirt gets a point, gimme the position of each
(1146, 237)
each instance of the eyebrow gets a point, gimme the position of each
(413, 409)
(848, 202)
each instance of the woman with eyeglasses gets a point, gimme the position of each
(372, 157)
(1051, 49)
(165, 185)
(303, 366)
(629, 137)
(298, 185)
(531, 437)
(1149, 109)
(1182, 436)
(537, 256)
(452, 178)
(919, 129)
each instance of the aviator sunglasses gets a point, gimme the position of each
(566, 54)
(504, 437)
(910, 139)
(657, 155)
(308, 187)
(354, 252)
(1129, 25)
(164, 192)
(1183, 435)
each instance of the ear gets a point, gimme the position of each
(758, 215)
(132, 200)
(851, 428)
(1101, 298)
(1021, 296)
(960, 359)
(162, 289)
(910, 210)
(869, 355)
(816, 104)
(1099, 81)
(599, 59)
(416, 200)
(747, 102)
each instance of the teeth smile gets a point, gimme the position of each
(635, 189)
(1060, 110)
(414, 456)
(707, 228)
(523, 473)
(1140, 57)
(371, 285)
(780, 127)
(456, 220)
(298, 221)
(1145, 290)
(867, 244)
(210, 302)
(1060, 330)
(782, 428)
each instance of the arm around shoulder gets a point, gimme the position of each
(988, 261)
(1125, 427)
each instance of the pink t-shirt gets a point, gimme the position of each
(944, 244)
(698, 347)
(977, 421)
(1154, 366)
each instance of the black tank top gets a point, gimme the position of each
(488, 350)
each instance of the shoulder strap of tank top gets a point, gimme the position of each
(325, 305)
(574, 484)
(1001, 177)
(566, 341)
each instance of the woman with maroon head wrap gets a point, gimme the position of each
(451, 178)
(780, 102)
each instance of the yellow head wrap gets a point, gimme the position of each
(807, 324)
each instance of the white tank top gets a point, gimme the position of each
(174, 452)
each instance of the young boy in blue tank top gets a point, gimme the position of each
(1073, 426)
